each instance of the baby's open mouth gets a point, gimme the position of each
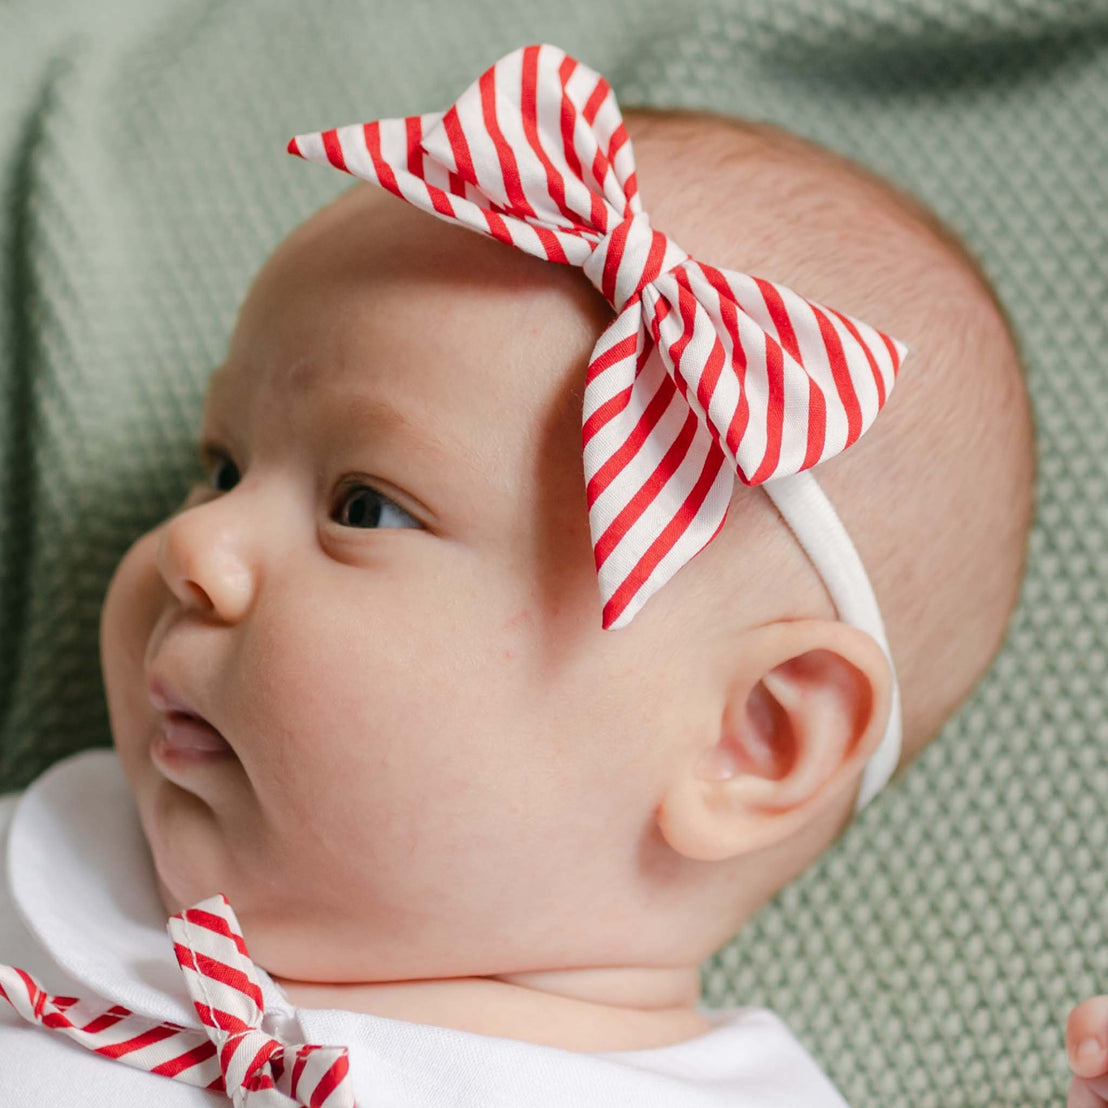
(191, 736)
(183, 735)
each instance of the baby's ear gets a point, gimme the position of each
(806, 707)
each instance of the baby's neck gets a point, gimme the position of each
(586, 1010)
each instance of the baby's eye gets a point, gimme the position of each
(363, 506)
(223, 474)
(219, 472)
(359, 505)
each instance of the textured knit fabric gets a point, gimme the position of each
(930, 959)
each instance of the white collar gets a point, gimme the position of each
(83, 881)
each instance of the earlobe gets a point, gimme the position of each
(806, 707)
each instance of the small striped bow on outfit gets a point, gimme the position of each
(753, 380)
(232, 1054)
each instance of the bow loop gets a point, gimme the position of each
(534, 154)
(540, 136)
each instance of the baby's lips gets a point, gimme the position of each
(1086, 1032)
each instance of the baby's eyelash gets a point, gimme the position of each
(209, 455)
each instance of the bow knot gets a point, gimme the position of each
(632, 255)
(264, 1068)
(223, 982)
(264, 1056)
(232, 1055)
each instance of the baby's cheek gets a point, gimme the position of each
(131, 606)
(136, 589)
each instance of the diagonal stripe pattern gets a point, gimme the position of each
(751, 380)
(232, 1054)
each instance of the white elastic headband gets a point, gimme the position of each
(818, 529)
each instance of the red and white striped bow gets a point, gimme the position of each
(232, 1055)
(753, 380)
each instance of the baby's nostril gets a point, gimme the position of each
(198, 594)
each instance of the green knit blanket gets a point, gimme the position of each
(931, 957)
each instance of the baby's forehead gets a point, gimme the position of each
(376, 314)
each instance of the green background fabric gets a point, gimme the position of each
(932, 956)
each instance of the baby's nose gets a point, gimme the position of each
(206, 557)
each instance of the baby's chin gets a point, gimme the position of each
(186, 846)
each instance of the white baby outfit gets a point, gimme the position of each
(79, 910)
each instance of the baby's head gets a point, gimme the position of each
(386, 600)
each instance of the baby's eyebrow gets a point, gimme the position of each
(366, 410)
(356, 407)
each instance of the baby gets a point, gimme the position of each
(360, 685)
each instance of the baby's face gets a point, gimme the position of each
(383, 597)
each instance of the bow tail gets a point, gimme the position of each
(658, 485)
(116, 1032)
